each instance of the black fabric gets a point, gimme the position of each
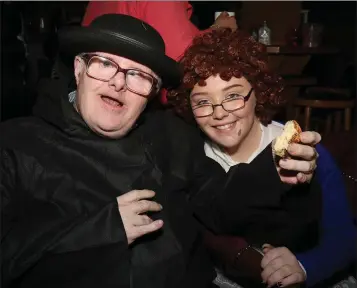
(61, 225)
(14, 101)
(125, 36)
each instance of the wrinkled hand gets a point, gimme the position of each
(225, 21)
(301, 168)
(281, 267)
(132, 207)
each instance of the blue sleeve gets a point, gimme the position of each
(337, 247)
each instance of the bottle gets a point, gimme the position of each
(255, 34)
(264, 34)
(303, 26)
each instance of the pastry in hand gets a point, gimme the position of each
(291, 134)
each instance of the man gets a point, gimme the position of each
(106, 193)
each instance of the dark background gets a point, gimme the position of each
(21, 73)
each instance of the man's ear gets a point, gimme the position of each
(79, 68)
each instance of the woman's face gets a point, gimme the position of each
(225, 128)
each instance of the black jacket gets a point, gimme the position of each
(60, 221)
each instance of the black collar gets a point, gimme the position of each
(54, 108)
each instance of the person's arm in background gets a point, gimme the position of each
(170, 18)
(337, 247)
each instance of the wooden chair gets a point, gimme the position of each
(334, 99)
(293, 87)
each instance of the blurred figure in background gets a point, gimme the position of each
(14, 102)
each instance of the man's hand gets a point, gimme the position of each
(132, 208)
(225, 21)
(301, 167)
(281, 267)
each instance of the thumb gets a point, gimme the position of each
(267, 247)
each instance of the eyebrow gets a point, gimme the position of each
(104, 56)
(224, 89)
(131, 67)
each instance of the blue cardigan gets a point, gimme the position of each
(337, 247)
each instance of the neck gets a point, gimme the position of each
(248, 145)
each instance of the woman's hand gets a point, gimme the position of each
(280, 267)
(301, 167)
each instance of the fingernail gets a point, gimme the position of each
(302, 178)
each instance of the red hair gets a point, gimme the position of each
(229, 54)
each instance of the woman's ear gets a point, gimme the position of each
(79, 67)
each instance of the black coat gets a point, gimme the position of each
(60, 220)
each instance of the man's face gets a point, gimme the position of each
(109, 108)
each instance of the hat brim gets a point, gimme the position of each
(76, 40)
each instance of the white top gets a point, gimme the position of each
(269, 133)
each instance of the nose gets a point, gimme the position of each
(117, 82)
(219, 113)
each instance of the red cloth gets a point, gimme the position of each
(170, 18)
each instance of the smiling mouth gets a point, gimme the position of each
(225, 127)
(112, 102)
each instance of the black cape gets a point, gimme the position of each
(60, 221)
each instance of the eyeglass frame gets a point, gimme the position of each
(245, 99)
(87, 57)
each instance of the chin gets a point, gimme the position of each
(110, 133)
(106, 127)
(226, 141)
(229, 144)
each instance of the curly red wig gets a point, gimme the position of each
(229, 54)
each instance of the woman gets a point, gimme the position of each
(231, 93)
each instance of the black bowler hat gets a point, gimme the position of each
(124, 36)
